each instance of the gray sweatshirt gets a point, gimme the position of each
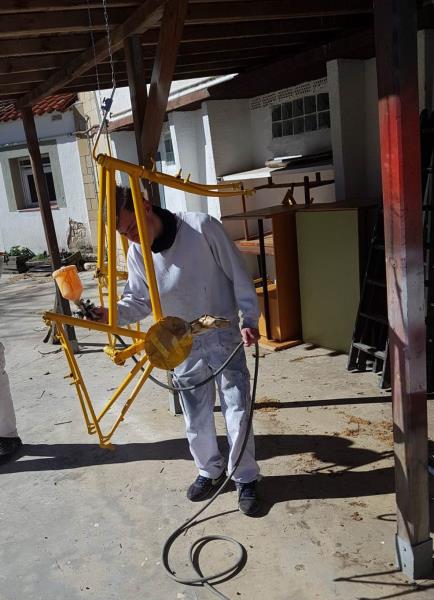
(201, 273)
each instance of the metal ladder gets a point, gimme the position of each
(427, 159)
(369, 346)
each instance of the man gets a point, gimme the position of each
(199, 271)
(9, 440)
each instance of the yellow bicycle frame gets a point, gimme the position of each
(108, 275)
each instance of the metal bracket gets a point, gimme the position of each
(414, 561)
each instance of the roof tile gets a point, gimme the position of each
(57, 102)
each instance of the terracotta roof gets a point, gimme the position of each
(58, 102)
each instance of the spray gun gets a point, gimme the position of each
(71, 288)
(168, 342)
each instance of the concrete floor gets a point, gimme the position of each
(81, 522)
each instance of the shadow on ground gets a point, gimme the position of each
(333, 450)
(383, 579)
(339, 452)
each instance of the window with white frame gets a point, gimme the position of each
(29, 198)
(301, 115)
(169, 155)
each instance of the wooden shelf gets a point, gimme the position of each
(277, 346)
(252, 246)
(283, 327)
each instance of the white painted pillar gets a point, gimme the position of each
(189, 149)
(346, 83)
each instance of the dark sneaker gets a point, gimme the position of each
(248, 501)
(8, 447)
(203, 487)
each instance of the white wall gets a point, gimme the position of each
(231, 135)
(12, 132)
(188, 140)
(355, 136)
(194, 149)
(265, 146)
(124, 147)
(25, 227)
(274, 196)
(346, 79)
(121, 105)
(353, 96)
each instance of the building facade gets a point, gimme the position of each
(20, 219)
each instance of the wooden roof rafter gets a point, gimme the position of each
(219, 37)
(147, 15)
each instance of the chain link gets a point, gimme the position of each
(94, 51)
(109, 42)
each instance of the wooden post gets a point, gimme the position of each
(162, 73)
(139, 97)
(396, 51)
(137, 84)
(149, 113)
(62, 305)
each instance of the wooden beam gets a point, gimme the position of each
(162, 75)
(214, 49)
(209, 70)
(58, 44)
(396, 49)
(50, 63)
(197, 97)
(22, 64)
(36, 6)
(22, 25)
(30, 77)
(243, 44)
(305, 66)
(88, 86)
(44, 205)
(247, 44)
(281, 26)
(46, 45)
(137, 85)
(146, 16)
(250, 10)
(258, 56)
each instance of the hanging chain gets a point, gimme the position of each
(106, 103)
(109, 42)
(94, 51)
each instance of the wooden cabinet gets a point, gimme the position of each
(332, 244)
(284, 322)
(284, 295)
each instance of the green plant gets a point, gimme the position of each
(21, 251)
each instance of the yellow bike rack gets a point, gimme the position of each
(168, 342)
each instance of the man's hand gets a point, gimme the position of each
(250, 335)
(100, 314)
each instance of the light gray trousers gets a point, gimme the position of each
(209, 352)
(8, 425)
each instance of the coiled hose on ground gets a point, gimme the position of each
(195, 548)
